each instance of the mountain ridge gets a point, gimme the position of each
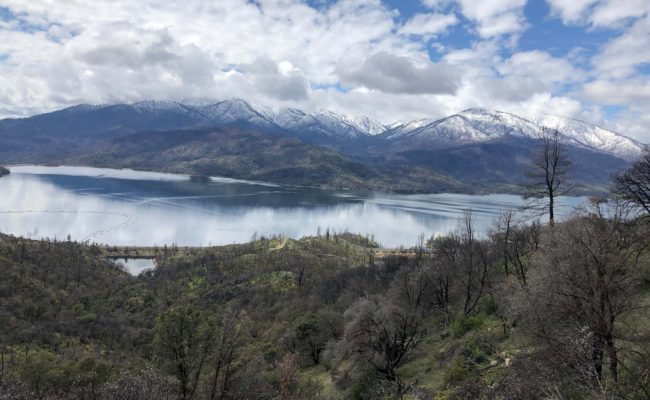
(473, 150)
(470, 126)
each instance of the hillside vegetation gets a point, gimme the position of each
(240, 154)
(529, 312)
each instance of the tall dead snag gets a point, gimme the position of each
(547, 175)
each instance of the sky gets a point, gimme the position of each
(392, 60)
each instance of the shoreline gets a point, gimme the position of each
(183, 176)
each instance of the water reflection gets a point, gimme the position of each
(89, 204)
(136, 266)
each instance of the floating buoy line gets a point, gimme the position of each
(128, 220)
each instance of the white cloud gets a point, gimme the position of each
(598, 13)
(541, 66)
(393, 74)
(495, 17)
(612, 13)
(619, 92)
(282, 81)
(436, 4)
(284, 52)
(428, 24)
(571, 11)
(619, 57)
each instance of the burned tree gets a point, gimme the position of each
(633, 185)
(586, 275)
(547, 174)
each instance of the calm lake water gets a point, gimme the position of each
(124, 207)
(136, 266)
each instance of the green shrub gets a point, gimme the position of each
(478, 348)
(457, 372)
(466, 323)
(487, 305)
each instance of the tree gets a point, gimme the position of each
(547, 174)
(515, 243)
(312, 336)
(383, 330)
(633, 185)
(582, 291)
(183, 342)
(442, 266)
(226, 343)
(474, 264)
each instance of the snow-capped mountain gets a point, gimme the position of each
(477, 125)
(586, 135)
(237, 111)
(399, 129)
(325, 123)
(474, 125)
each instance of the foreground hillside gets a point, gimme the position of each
(514, 316)
(475, 150)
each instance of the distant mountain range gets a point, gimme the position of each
(476, 149)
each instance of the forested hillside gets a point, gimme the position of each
(530, 312)
(241, 154)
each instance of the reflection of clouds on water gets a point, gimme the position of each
(136, 266)
(129, 214)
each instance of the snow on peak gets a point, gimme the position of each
(476, 125)
(584, 134)
(364, 124)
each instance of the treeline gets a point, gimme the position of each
(530, 311)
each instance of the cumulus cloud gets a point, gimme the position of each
(570, 11)
(511, 88)
(495, 17)
(428, 24)
(393, 74)
(283, 81)
(360, 56)
(612, 13)
(542, 67)
(621, 56)
(598, 13)
(123, 45)
(619, 92)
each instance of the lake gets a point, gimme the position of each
(125, 207)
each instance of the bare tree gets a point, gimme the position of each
(547, 174)
(584, 288)
(633, 185)
(474, 264)
(383, 331)
(442, 267)
(516, 242)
